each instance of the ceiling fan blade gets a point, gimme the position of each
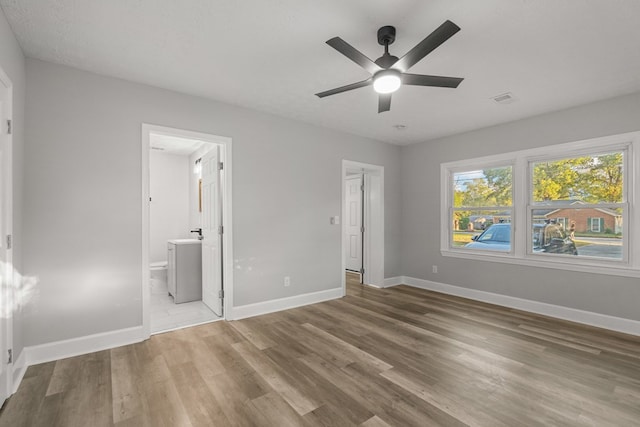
(384, 102)
(430, 43)
(437, 81)
(345, 88)
(353, 54)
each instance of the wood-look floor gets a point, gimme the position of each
(397, 357)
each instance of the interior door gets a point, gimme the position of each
(6, 268)
(211, 256)
(353, 196)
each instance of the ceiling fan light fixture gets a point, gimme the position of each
(389, 72)
(387, 81)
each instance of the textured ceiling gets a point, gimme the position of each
(271, 55)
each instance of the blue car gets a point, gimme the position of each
(549, 238)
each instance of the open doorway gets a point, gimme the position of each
(186, 228)
(363, 223)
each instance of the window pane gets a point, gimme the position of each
(588, 179)
(593, 232)
(478, 188)
(491, 229)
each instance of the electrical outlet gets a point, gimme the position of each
(434, 269)
(287, 281)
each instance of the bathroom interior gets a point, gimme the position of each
(175, 220)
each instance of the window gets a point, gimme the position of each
(482, 198)
(583, 188)
(564, 206)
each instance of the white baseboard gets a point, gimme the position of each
(618, 324)
(250, 310)
(393, 281)
(76, 346)
(19, 369)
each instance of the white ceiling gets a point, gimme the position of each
(271, 55)
(174, 144)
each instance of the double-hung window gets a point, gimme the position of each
(587, 190)
(481, 198)
(569, 206)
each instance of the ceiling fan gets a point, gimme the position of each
(388, 72)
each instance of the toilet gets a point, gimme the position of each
(158, 272)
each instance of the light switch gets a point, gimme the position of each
(334, 220)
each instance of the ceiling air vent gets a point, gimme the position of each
(505, 98)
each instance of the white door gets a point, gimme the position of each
(6, 267)
(353, 195)
(211, 257)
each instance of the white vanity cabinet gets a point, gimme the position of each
(184, 269)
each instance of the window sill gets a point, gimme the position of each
(594, 266)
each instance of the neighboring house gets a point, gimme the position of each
(588, 220)
(480, 222)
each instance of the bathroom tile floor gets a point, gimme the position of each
(167, 316)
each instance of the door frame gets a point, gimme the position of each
(227, 219)
(373, 207)
(7, 181)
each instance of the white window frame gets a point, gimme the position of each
(489, 165)
(521, 162)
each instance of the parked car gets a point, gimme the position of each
(549, 238)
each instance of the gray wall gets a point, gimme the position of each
(169, 188)
(12, 63)
(420, 183)
(83, 210)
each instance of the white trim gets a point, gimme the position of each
(373, 246)
(177, 328)
(7, 293)
(83, 345)
(271, 306)
(560, 262)
(19, 369)
(225, 144)
(520, 253)
(393, 281)
(613, 323)
(145, 286)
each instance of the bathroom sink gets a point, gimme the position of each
(182, 241)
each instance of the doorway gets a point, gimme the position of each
(363, 223)
(6, 257)
(186, 228)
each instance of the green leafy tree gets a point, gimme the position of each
(478, 193)
(558, 180)
(603, 180)
(461, 218)
(499, 181)
(590, 179)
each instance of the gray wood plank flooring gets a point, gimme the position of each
(378, 357)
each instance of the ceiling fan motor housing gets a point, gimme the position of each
(386, 35)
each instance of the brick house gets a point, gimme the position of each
(589, 220)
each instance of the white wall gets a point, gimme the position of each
(12, 62)
(169, 187)
(610, 295)
(83, 218)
